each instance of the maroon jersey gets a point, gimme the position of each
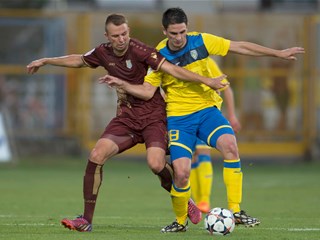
(131, 67)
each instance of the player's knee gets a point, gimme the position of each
(181, 178)
(228, 147)
(156, 164)
(156, 167)
(97, 157)
(233, 149)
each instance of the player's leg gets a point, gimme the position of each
(159, 166)
(194, 173)
(107, 146)
(181, 188)
(155, 138)
(104, 148)
(219, 134)
(232, 175)
(180, 195)
(181, 148)
(156, 144)
(205, 175)
(194, 179)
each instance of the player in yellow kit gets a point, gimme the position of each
(192, 110)
(201, 175)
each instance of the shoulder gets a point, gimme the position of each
(217, 45)
(195, 40)
(162, 44)
(103, 47)
(137, 45)
(194, 34)
(213, 38)
(203, 36)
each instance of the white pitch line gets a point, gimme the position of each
(282, 229)
(159, 218)
(29, 224)
(130, 226)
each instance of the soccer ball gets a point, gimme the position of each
(219, 221)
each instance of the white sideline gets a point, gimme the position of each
(117, 217)
(238, 229)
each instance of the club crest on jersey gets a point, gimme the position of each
(194, 54)
(129, 64)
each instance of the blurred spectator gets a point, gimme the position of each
(9, 101)
(252, 97)
(23, 3)
(280, 89)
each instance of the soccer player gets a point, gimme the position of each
(192, 112)
(137, 121)
(201, 175)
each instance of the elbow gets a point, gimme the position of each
(147, 96)
(147, 92)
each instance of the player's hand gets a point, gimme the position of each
(290, 53)
(216, 83)
(235, 123)
(111, 81)
(34, 66)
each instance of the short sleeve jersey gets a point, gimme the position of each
(184, 97)
(131, 67)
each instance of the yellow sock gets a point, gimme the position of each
(180, 198)
(205, 175)
(194, 182)
(232, 176)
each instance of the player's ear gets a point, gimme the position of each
(164, 31)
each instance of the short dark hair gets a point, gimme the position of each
(174, 16)
(116, 19)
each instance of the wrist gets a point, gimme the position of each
(205, 80)
(123, 84)
(45, 61)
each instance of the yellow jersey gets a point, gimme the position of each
(182, 97)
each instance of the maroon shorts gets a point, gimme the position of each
(127, 133)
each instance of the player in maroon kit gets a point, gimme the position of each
(137, 121)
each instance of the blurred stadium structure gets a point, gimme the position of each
(64, 110)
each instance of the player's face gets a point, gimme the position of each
(119, 38)
(177, 36)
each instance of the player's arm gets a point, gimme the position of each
(252, 49)
(72, 61)
(143, 91)
(186, 75)
(229, 100)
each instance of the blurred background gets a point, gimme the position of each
(63, 111)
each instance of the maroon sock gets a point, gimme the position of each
(165, 176)
(91, 183)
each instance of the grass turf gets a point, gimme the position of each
(36, 194)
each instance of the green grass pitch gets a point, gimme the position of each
(36, 194)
